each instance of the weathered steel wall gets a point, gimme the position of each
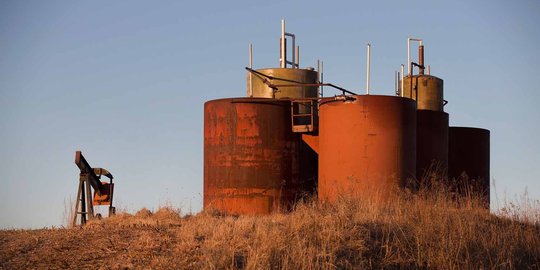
(366, 146)
(431, 144)
(426, 90)
(253, 162)
(469, 150)
(291, 76)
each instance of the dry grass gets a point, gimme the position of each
(69, 212)
(425, 230)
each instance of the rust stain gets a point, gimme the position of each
(249, 148)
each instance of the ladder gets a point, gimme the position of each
(303, 115)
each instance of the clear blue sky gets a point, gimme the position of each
(125, 82)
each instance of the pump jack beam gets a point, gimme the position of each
(86, 169)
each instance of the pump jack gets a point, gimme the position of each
(89, 178)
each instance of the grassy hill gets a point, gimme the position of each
(406, 231)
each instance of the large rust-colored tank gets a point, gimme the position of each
(253, 162)
(287, 76)
(366, 145)
(468, 170)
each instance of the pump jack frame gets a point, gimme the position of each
(89, 178)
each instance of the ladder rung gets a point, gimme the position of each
(302, 128)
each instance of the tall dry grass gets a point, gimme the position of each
(428, 229)
(432, 228)
(69, 212)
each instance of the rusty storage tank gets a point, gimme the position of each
(286, 83)
(367, 144)
(259, 86)
(253, 162)
(432, 123)
(427, 90)
(259, 81)
(469, 150)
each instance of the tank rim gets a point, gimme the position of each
(249, 99)
(422, 76)
(423, 110)
(279, 68)
(363, 96)
(470, 128)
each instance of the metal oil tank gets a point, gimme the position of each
(366, 145)
(286, 83)
(427, 90)
(270, 82)
(432, 126)
(469, 150)
(253, 162)
(259, 86)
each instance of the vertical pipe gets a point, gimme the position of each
(297, 59)
(322, 78)
(402, 77)
(251, 67)
(428, 70)
(318, 70)
(396, 82)
(368, 68)
(411, 86)
(251, 55)
(319, 77)
(421, 59)
(409, 64)
(283, 56)
(408, 56)
(293, 50)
